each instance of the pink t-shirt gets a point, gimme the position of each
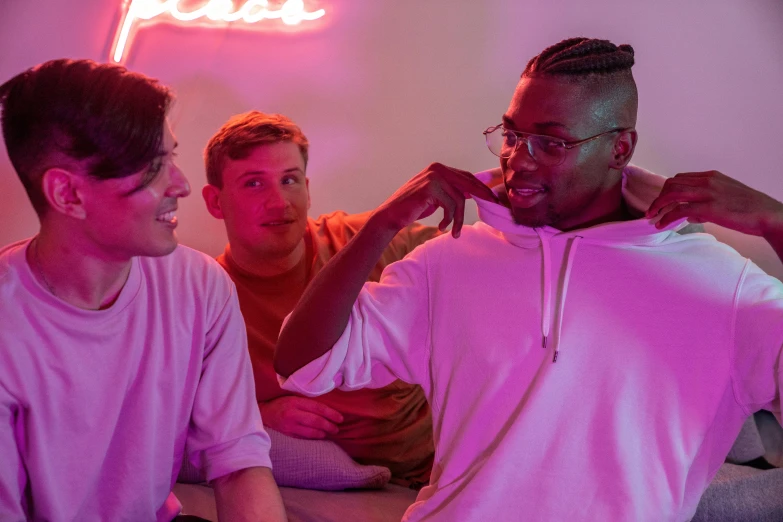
(97, 407)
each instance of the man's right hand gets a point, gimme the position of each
(300, 417)
(436, 186)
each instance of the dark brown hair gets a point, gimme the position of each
(78, 110)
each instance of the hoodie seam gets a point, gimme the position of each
(435, 406)
(732, 338)
(428, 336)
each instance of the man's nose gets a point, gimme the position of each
(521, 159)
(178, 183)
(275, 199)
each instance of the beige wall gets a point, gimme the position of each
(384, 87)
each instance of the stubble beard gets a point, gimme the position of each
(549, 218)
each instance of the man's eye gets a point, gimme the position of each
(550, 144)
(252, 183)
(155, 166)
(289, 180)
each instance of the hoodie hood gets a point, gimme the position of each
(639, 189)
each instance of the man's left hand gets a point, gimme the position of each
(714, 197)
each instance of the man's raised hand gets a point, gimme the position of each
(714, 197)
(435, 186)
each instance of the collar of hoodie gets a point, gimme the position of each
(640, 188)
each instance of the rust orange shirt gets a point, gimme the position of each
(389, 426)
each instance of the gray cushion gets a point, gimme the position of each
(748, 445)
(308, 464)
(742, 494)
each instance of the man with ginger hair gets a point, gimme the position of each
(257, 184)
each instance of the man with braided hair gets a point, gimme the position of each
(582, 358)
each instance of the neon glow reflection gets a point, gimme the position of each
(213, 12)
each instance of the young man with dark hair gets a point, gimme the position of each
(582, 361)
(119, 350)
(256, 169)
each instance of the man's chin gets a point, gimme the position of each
(159, 250)
(530, 220)
(276, 249)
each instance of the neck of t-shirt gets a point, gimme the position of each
(72, 275)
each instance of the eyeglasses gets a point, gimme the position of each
(545, 150)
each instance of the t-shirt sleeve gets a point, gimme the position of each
(758, 341)
(226, 433)
(387, 336)
(12, 473)
(408, 239)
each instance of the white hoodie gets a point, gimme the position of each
(665, 343)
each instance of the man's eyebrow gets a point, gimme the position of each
(549, 124)
(540, 126)
(266, 172)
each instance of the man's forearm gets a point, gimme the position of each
(249, 495)
(322, 313)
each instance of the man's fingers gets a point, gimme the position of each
(676, 193)
(303, 432)
(430, 210)
(459, 218)
(313, 406)
(656, 217)
(467, 183)
(464, 181)
(448, 206)
(697, 179)
(692, 211)
(316, 422)
(455, 199)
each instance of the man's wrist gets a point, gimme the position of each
(380, 224)
(772, 225)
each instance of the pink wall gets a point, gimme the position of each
(384, 87)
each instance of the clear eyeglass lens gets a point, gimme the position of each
(503, 143)
(546, 151)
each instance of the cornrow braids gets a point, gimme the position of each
(581, 57)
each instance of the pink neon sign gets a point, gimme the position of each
(213, 12)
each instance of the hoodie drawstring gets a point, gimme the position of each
(546, 318)
(569, 265)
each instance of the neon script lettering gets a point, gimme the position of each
(218, 12)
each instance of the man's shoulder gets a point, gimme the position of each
(185, 256)
(340, 220)
(187, 269)
(442, 247)
(470, 235)
(9, 256)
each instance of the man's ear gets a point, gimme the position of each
(211, 196)
(64, 192)
(307, 186)
(623, 148)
